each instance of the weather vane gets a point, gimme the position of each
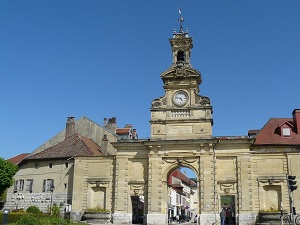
(180, 20)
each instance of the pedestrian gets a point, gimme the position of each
(195, 219)
(177, 218)
(232, 216)
(222, 215)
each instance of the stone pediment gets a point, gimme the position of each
(182, 71)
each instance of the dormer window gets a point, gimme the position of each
(286, 131)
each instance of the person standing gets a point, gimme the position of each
(222, 215)
(177, 218)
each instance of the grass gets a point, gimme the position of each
(70, 224)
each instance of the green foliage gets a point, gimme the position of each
(53, 221)
(13, 217)
(56, 210)
(36, 219)
(7, 172)
(97, 209)
(27, 220)
(33, 209)
(3, 196)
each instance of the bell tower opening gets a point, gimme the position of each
(180, 56)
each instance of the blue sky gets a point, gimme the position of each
(104, 58)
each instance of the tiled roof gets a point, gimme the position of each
(75, 145)
(269, 134)
(178, 174)
(122, 130)
(18, 158)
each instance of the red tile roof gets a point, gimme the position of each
(178, 174)
(122, 130)
(269, 134)
(75, 145)
(18, 158)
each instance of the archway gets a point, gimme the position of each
(183, 196)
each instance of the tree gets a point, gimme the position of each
(7, 172)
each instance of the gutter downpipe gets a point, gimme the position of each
(215, 181)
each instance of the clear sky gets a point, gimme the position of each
(102, 59)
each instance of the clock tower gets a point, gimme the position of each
(181, 113)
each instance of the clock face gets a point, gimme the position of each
(180, 98)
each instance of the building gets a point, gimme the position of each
(46, 175)
(129, 177)
(181, 196)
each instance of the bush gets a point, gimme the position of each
(13, 217)
(41, 219)
(53, 221)
(33, 209)
(56, 210)
(37, 219)
(27, 220)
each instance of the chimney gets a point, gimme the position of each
(70, 127)
(134, 134)
(104, 145)
(112, 124)
(105, 122)
(296, 120)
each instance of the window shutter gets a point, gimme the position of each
(44, 185)
(30, 186)
(16, 186)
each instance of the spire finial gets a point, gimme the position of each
(180, 20)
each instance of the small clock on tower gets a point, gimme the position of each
(180, 98)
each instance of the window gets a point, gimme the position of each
(47, 184)
(50, 165)
(16, 186)
(21, 185)
(67, 165)
(29, 184)
(286, 132)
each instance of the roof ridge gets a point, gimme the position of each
(92, 121)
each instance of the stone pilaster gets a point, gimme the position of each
(157, 214)
(121, 214)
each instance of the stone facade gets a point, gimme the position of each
(23, 196)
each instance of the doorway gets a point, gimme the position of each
(137, 209)
(228, 204)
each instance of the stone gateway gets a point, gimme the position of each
(247, 174)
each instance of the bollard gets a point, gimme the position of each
(5, 213)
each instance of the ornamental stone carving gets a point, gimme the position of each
(137, 187)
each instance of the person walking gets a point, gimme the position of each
(222, 215)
